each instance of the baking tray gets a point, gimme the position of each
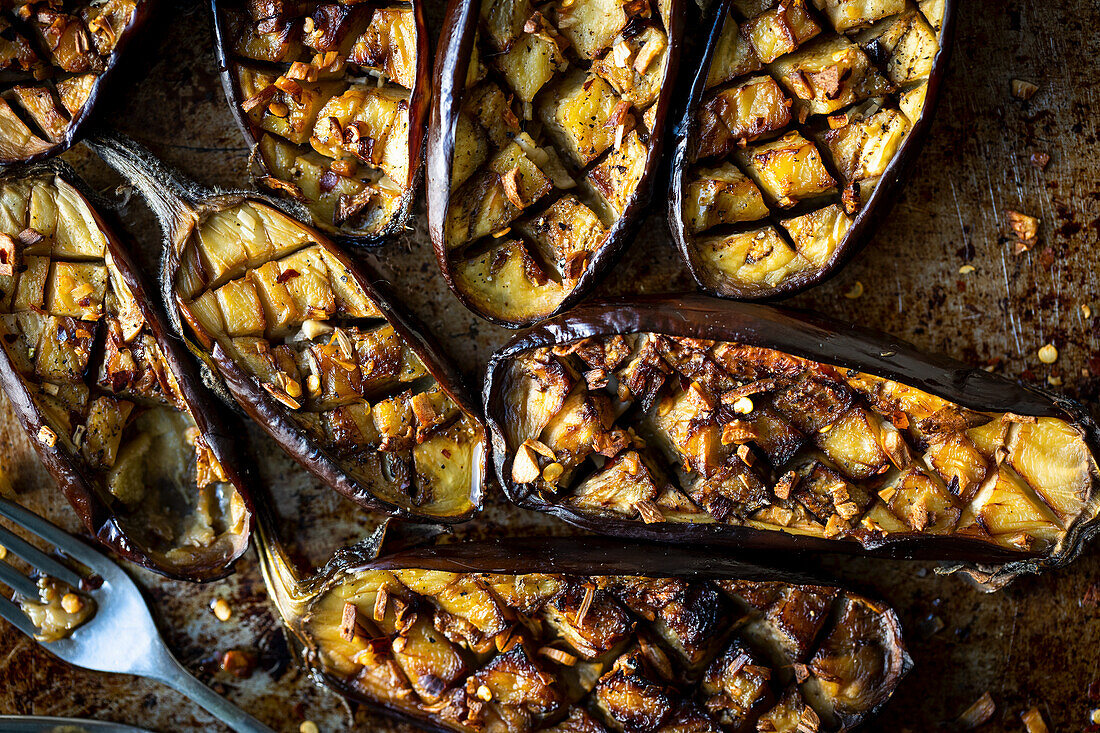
(1035, 644)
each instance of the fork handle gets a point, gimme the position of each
(179, 679)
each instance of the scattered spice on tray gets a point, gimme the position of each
(1024, 90)
(977, 714)
(221, 609)
(1025, 230)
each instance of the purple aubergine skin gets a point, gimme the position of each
(104, 85)
(452, 60)
(177, 201)
(70, 473)
(419, 101)
(870, 216)
(581, 556)
(818, 339)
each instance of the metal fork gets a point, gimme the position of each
(121, 636)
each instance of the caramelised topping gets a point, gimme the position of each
(263, 296)
(80, 343)
(327, 89)
(52, 53)
(656, 428)
(807, 103)
(566, 653)
(550, 146)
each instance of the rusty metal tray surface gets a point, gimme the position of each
(941, 273)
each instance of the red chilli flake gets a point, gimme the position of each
(288, 274)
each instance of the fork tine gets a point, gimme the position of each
(15, 616)
(17, 546)
(18, 582)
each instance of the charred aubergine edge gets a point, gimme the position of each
(333, 100)
(799, 127)
(58, 59)
(301, 337)
(695, 420)
(587, 635)
(545, 138)
(112, 403)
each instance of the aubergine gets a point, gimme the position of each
(801, 121)
(333, 100)
(699, 420)
(113, 405)
(545, 138)
(587, 635)
(306, 343)
(57, 58)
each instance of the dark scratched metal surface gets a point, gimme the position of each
(1035, 644)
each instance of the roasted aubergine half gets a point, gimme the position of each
(584, 635)
(333, 99)
(113, 405)
(545, 137)
(700, 420)
(297, 333)
(55, 58)
(801, 119)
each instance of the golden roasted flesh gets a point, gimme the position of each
(51, 56)
(327, 90)
(705, 431)
(550, 146)
(557, 652)
(79, 341)
(259, 292)
(806, 105)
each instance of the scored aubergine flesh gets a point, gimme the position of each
(562, 653)
(806, 105)
(551, 146)
(665, 429)
(110, 401)
(53, 55)
(262, 294)
(328, 92)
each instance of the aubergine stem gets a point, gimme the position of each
(174, 199)
(290, 591)
(166, 191)
(165, 188)
(284, 583)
